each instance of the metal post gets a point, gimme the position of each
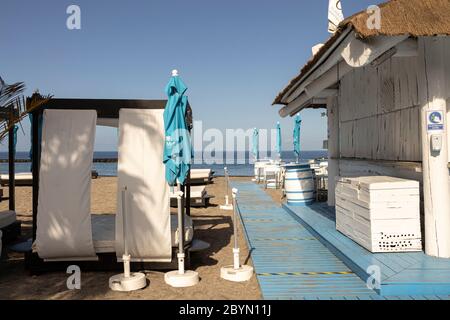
(11, 167)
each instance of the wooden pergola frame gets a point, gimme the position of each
(106, 109)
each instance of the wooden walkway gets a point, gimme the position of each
(402, 274)
(292, 261)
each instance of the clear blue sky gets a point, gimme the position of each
(234, 55)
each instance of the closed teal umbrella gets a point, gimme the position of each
(177, 148)
(297, 124)
(255, 143)
(177, 158)
(278, 146)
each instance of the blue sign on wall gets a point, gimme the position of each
(435, 121)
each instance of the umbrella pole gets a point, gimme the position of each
(181, 278)
(126, 257)
(180, 255)
(126, 281)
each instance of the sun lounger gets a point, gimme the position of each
(25, 179)
(9, 226)
(201, 176)
(199, 197)
(104, 226)
(7, 218)
(22, 179)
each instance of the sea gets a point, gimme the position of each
(237, 163)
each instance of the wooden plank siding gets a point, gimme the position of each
(379, 111)
(447, 72)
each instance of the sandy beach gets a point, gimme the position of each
(211, 225)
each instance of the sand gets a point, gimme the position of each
(211, 224)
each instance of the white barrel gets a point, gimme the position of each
(299, 184)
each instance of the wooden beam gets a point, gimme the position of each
(359, 53)
(106, 108)
(436, 187)
(323, 65)
(35, 168)
(325, 81)
(333, 147)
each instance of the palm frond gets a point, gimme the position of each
(13, 107)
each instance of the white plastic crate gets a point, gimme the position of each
(382, 214)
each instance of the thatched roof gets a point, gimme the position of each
(398, 17)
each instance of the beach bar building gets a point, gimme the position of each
(384, 78)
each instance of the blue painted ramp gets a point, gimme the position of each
(290, 263)
(401, 273)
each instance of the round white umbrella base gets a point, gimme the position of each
(134, 282)
(244, 273)
(177, 280)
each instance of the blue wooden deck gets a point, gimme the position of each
(290, 263)
(401, 273)
(293, 261)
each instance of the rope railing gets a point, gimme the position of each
(237, 213)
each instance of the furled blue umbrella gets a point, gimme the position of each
(177, 158)
(177, 148)
(255, 143)
(297, 124)
(278, 146)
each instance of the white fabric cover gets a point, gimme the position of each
(141, 170)
(64, 222)
(7, 218)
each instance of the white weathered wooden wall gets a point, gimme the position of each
(447, 72)
(379, 111)
(379, 115)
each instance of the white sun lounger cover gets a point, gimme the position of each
(141, 170)
(64, 229)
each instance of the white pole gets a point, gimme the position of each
(181, 278)
(227, 205)
(435, 149)
(333, 148)
(180, 254)
(125, 257)
(236, 264)
(126, 281)
(227, 186)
